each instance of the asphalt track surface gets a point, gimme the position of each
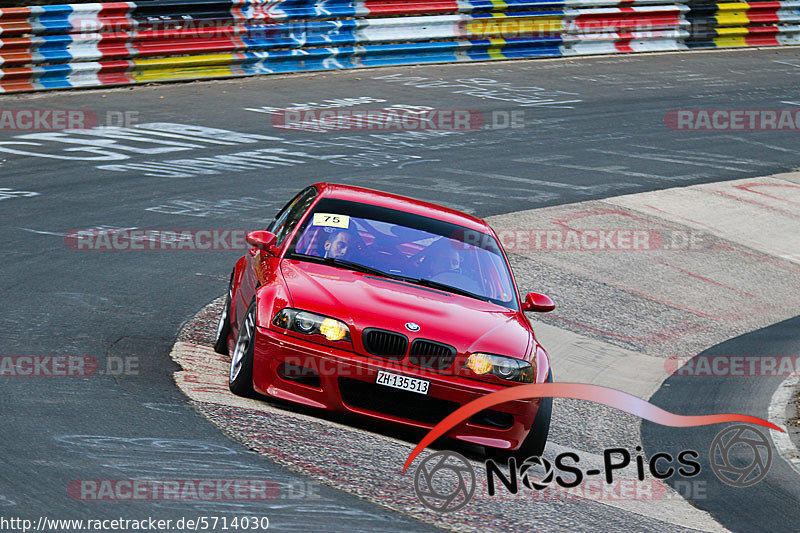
(593, 128)
(777, 499)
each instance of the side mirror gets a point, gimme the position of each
(538, 303)
(263, 240)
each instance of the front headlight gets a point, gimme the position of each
(312, 324)
(508, 368)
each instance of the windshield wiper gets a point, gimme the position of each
(344, 263)
(443, 287)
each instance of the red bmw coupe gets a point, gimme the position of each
(379, 305)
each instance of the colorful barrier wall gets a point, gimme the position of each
(85, 45)
(722, 25)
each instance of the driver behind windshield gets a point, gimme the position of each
(338, 244)
(448, 260)
(405, 246)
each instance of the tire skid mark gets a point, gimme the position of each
(758, 204)
(750, 186)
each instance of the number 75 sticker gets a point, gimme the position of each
(330, 220)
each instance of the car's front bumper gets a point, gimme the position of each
(343, 381)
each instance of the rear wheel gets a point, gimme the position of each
(535, 441)
(240, 378)
(224, 326)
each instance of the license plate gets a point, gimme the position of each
(402, 382)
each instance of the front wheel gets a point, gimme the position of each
(535, 441)
(240, 378)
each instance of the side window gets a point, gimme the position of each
(291, 214)
(281, 216)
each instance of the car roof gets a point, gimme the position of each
(401, 203)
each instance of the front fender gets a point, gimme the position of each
(271, 297)
(542, 364)
(238, 274)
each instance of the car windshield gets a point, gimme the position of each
(405, 246)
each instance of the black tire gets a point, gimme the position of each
(224, 325)
(240, 377)
(534, 443)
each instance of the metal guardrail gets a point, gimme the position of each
(83, 45)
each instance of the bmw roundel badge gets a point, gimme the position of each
(411, 326)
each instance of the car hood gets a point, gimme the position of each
(363, 301)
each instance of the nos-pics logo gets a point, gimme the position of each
(740, 456)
